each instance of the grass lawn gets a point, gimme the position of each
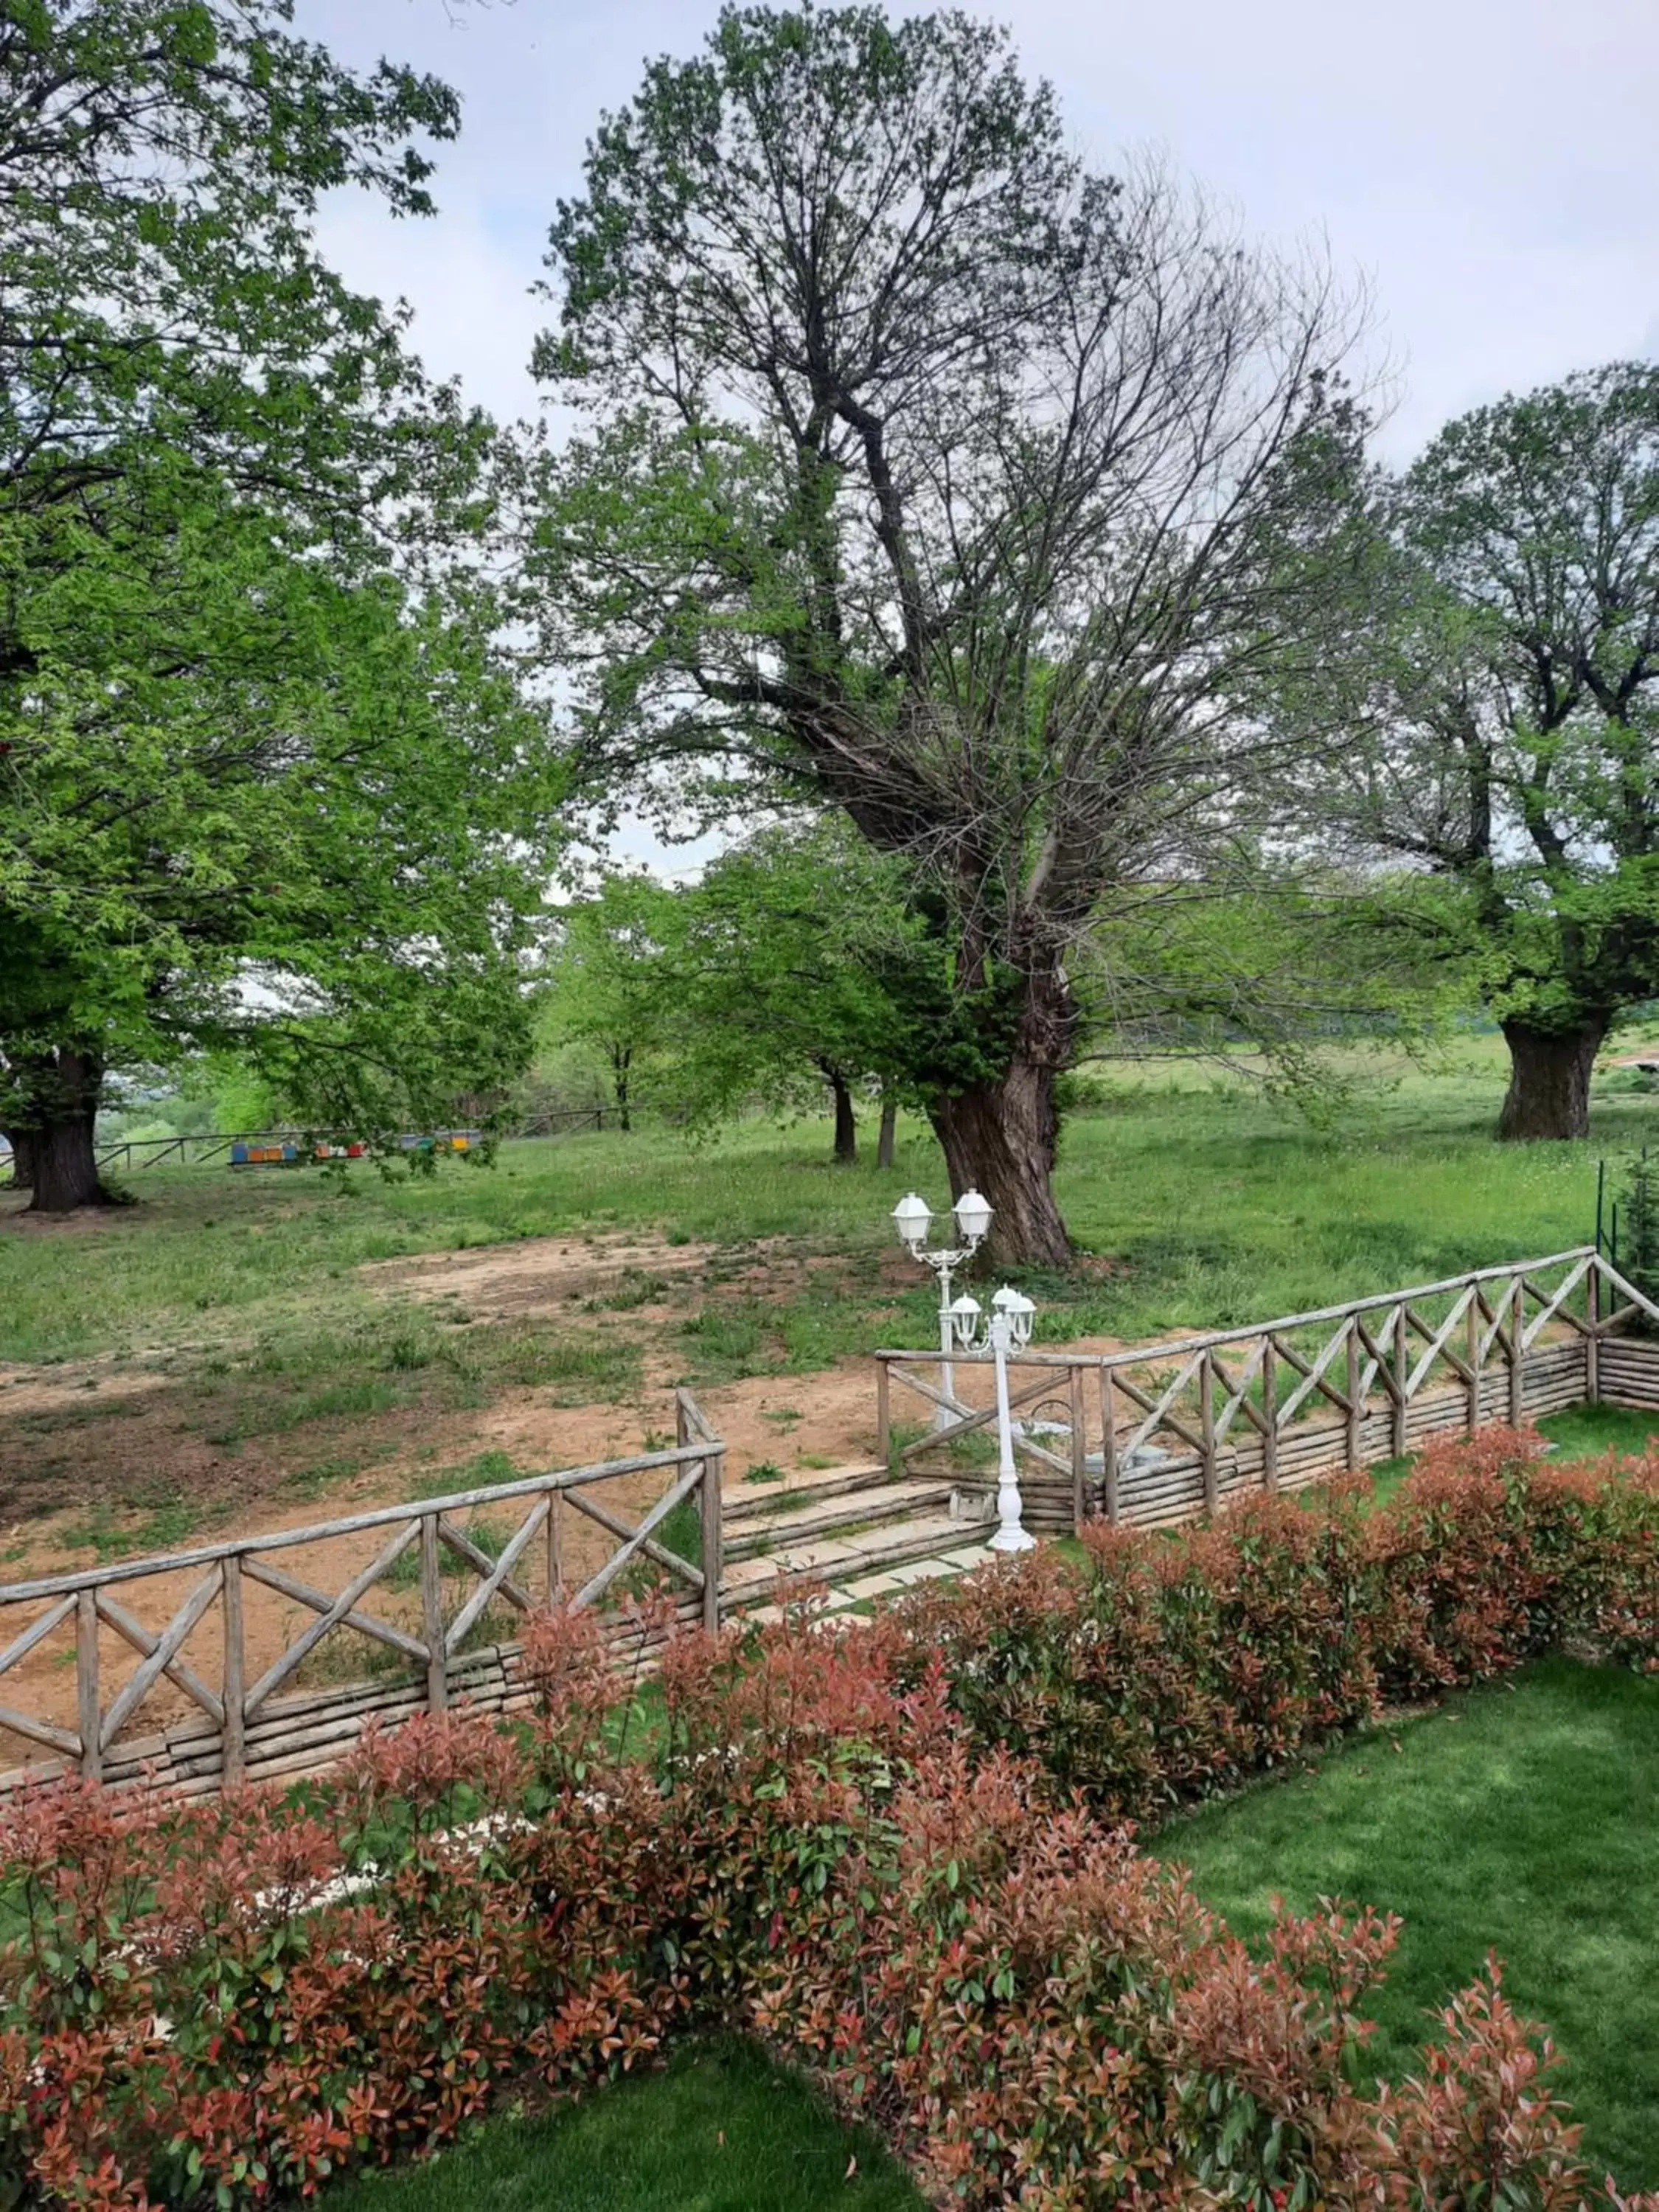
(1212, 1205)
(270, 1371)
(1520, 1819)
(719, 2130)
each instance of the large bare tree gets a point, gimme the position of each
(925, 476)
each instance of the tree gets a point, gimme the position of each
(226, 498)
(932, 479)
(613, 981)
(1511, 703)
(248, 803)
(803, 963)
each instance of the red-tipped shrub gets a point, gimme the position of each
(870, 1848)
(1171, 1667)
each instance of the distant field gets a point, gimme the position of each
(269, 1342)
(1212, 1205)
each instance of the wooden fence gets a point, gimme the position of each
(1159, 1436)
(236, 1727)
(212, 1147)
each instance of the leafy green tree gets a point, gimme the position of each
(259, 765)
(930, 479)
(249, 805)
(160, 165)
(612, 983)
(1506, 719)
(1266, 979)
(803, 964)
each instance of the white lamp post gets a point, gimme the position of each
(1010, 1325)
(912, 1218)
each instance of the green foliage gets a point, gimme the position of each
(1637, 1255)
(800, 957)
(611, 984)
(261, 761)
(936, 482)
(1505, 711)
(807, 957)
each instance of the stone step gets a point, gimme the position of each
(843, 1598)
(822, 1517)
(746, 1501)
(847, 1557)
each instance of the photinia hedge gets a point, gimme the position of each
(1170, 1668)
(895, 1852)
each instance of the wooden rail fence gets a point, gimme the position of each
(236, 1729)
(209, 1146)
(1156, 1435)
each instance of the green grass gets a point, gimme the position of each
(1520, 1819)
(169, 1522)
(719, 2130)
(1214, 1206)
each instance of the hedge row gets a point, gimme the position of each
(830, 1842)
(1170, 1669)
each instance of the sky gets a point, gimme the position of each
(1490, 168)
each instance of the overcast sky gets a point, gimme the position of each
(1491, 166)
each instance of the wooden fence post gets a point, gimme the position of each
(233, 1684)
(1108, 1446)
(86, 1683)
(1517, 1330)
(1079, 1450)
(1269, 1415)
(1355, 1409)
(714, 1498)
(1593, 1341)
(1473, 1347)
(883, 1414)
(432, 1616)
(1207, 1417)
(555, 1562)
(1402, 1368)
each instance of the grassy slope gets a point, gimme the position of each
(719, 2130)
(1215, 1207)
(1519, 1819)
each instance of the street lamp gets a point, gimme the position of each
(912, 1218)
(1008, 1328)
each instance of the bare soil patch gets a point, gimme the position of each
(538, 1276)
(16, 1219)
(773, 1422)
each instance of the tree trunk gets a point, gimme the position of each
(885, 1141)
(1549, 1080)
(65, 1165)
(846, 1128)
(622, 1059)
(1000, 1138)
(22, 1157)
